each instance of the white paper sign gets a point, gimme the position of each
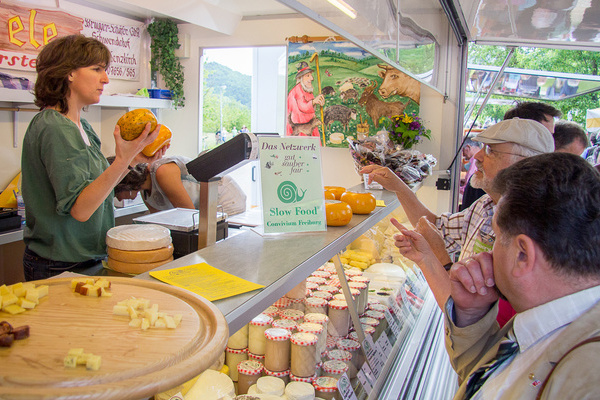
(345, 388)
(365, 377)
(384, 344)
(394, 326)
(374, 355)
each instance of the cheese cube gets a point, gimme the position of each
(145, 324)
(132, 312)
(135, 323)
(9, 299)
(152, 316)
(120, 309)
(82, 358)
(104, 293)
(177, 319)
(13, 309)
(160, 323)
(4, 290)
(170, 322)
(32, 295)
(77, 351)
(70, 361)
(93, 362)
(23, 302)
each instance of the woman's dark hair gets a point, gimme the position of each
(134, 179)
(57, 60)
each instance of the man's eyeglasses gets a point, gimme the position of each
(489, 151)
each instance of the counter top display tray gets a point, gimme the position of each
(135, 363)
(176, 219)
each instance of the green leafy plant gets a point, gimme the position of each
(405, 130)
(163, 33)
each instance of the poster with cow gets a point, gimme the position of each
(338, 91)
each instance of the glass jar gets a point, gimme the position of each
(303, 357)
(316, 279)
(323, 295)
(326, 388)
(298, 292)
(272, 312)
(239, 340)
(329, 289)
(295, 315)
(339, 318)
(277, 350)
(256, 357)
(352, 347)
(256, 333)
(361, 301)
(232, 358)
(315, 329)
(287, 324)
(334, 368)
(315, 305)
(248, 373)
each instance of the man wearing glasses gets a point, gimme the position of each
(470, 231)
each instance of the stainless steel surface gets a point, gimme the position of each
(277, 261)
(11, 236)
(176, 219)
(123, 211)
(207, 224)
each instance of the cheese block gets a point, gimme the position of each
(135, 268)
(138, 237)
(141, 256)
(211, 384)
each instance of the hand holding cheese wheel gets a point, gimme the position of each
(336, 190)
(163, 139)
(337, 213)
(361, 203)
(133, 123)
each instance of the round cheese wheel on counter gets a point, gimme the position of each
(141, 256)
(135, 268)
(138, 237)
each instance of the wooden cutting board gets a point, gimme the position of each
(135, 363)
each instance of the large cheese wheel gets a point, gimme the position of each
(141, 256)
(138, 237)
(134, 268)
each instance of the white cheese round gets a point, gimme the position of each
(270, 385)
(138, 237)
(299, 391)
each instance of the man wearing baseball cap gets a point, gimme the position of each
(468, 231)
(301, 103)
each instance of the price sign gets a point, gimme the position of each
(345, 388)
(374, 355)
(384, 344)
(394, 326)
(366, 378)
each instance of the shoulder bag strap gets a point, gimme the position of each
(590, 340)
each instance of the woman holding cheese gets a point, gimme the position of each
(67, 183)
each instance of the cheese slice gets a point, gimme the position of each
(135, 268)
(141, 256)
(138, 237)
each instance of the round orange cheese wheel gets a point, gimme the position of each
(328, 195)
(135, 268)
(141, 256)
(361, 203)
(337, 190)
(337, 213)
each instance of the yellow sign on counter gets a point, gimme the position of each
(206, 280)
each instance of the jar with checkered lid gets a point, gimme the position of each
(256, 333)
(248, 373)
(277, 350)
(304, 351)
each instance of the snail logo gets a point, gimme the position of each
(289, 193)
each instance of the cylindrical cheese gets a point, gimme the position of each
(141, 256)
(256, 333)
(303, 357)
(138, 237)
(334, 368)
(299, 391)
(326, 388)
(294, 315)
(283, 375)
(286, 324)
(319, 331)
(134, 268)
(315, 305)
(270, 385)
(353, 347)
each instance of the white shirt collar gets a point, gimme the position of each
(533, 324)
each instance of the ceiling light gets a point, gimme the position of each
(343, 7)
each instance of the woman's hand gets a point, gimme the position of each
(127, 150)
(384, 176)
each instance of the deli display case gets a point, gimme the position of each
(412, 363)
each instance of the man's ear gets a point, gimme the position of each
(525, 256)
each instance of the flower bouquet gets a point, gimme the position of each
(391, 147)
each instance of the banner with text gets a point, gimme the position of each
(292, 184)
(25, 30)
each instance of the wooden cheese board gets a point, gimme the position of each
(135, 363)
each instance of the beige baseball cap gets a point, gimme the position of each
(525, 132)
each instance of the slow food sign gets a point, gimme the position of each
(292, 184)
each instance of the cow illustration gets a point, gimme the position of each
(397, 82)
